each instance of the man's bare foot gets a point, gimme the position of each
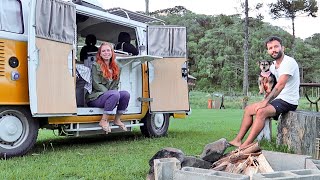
(244, 145)
(235, 143)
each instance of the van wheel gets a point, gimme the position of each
(155, 125)
(18, 131)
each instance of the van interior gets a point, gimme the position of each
(131, 75)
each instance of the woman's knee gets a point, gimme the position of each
(114, 94)
(124, 94)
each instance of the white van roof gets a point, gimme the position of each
(133, 15)
(139, 17)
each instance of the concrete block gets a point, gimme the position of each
(285, 161)
(274, 175)
(164, 168)
(312, 164)
(302, 174)
(312, 174)
(190, 173)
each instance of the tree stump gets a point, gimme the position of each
(299, 130)
(266, 132)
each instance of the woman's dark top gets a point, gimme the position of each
(84, 51)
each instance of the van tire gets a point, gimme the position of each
(18, 131)
(155, 125)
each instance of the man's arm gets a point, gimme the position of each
(275, 92)
(277, 88)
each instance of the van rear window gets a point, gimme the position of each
(11, 19)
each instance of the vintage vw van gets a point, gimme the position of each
(40, 75)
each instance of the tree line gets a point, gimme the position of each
(216, 53)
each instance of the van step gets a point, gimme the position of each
(78, 127)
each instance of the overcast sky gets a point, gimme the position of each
(305, 26)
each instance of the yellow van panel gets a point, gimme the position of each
(13, 92)
(179, 115)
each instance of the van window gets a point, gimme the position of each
(11, 19)
(103, 30)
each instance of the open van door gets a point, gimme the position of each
(168, 76)
(51, 55)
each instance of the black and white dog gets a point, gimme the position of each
(266, 82)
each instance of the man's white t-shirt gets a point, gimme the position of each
(290, 93)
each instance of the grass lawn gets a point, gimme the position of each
(121, 156)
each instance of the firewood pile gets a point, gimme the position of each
(248, 161)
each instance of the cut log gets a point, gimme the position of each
(266, 132)
(236, 155)
(264, 166)
(299, 130)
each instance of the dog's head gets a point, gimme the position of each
(264, 65)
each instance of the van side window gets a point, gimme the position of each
(11, 19)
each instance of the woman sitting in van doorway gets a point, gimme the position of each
(124, 44)
(105, 94)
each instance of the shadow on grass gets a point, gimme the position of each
(91, 139)
(61, 143)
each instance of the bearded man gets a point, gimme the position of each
(283, 98)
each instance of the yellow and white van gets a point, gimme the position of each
(38, 70)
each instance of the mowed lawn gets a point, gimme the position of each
(121, 156)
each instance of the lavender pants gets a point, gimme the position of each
(110, 99)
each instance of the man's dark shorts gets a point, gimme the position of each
(282, 106)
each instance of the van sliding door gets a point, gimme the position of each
(51, 58)
(168, 85)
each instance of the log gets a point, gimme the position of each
(299, 130)
(266, 132)
(264, 166)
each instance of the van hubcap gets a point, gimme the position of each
(158, 121)
(10, 128)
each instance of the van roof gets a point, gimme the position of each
(140, 17)
(133, 15)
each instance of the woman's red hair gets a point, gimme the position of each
(112, 64)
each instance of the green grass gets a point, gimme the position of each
(122, 156)
(199, 100)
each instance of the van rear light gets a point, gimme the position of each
(15, 75)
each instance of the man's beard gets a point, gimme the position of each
(278, 56)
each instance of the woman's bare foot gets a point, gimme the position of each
(121, 125)
(105, 125)
(235, 143)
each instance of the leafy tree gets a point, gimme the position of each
(216, 53)
(291, 9)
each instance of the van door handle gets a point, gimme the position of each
(184, 72)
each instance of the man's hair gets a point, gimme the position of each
(272, 38)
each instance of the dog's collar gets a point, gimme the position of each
(265, 74)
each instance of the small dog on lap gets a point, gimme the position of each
(266, 80)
